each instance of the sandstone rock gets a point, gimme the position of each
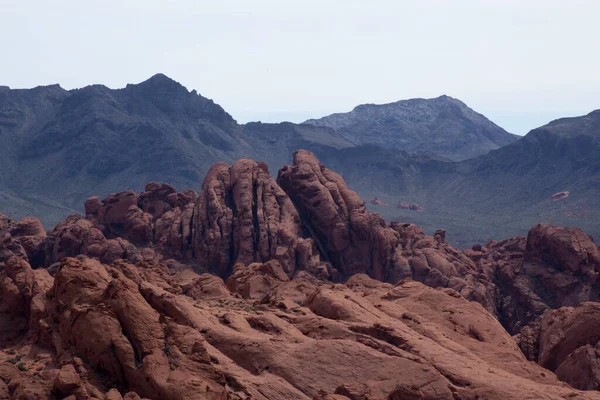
(568, 249)
(113, 394)
(528, 340)
(566, 341)
(407, 206)
(78, 236)
(433, 261)
(119, 216)
(22, 304)
(351, 339)
(256, 280)
(243, 216)
(150, 322)
(159, 198)
(4, 393)
(553, 267)
(124, 336)
(581, 369)
(404, 392)
(67, 380)
(204, 286)
(376, 202)
(564, 330)
(559, 196)
(326, 396)
(24, 238)
(354, 391)
(353, 239)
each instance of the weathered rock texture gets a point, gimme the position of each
(551, 268)
(243, 216)
(567, 341)
(124, 331)
(119, 305)
(24, 238)
(356, 241)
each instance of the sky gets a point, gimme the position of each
(520, 63)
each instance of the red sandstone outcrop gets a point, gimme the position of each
(119, 216)
(407, 206)
(431, 260)
(568, 249)
(559, 195)
(24, 238)
(376, 202)
(104, 328)
(21, 298)
(354, 240)
(243, 216)
(567, 341)
(136, 331)
(131, 216)
(551, 268)
(78, 236)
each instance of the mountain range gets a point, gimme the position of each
(469, 175)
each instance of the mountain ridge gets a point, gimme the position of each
(442, 125)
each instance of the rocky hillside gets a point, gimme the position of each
(256, 288)
(443, 126)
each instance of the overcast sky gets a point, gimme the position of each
(520, 63)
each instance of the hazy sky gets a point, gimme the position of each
(521, 63)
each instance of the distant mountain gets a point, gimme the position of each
(443, 126)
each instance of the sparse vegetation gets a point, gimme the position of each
(14, 360)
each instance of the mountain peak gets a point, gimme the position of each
(159, 83)
(160, 77)
(442, 125)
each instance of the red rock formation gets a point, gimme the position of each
(136, 330)
(157, 199)
(359, 242)
(256, 280)
(376, 202)
(243, 216)
(559, 196)
(279, 328)
(24, 238)
(568, 249)
(125, 336)
(119, 216)
(347, 234)
(551, 268)
(567, 341)
(77, 235)
(21, 298)
(131, 216)
(407, 206)
(434, 262)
